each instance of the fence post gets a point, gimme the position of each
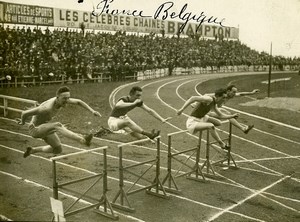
(5, 105)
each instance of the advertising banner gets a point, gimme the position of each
(27, 14)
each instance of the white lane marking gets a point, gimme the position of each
(267, 159)
(116, 179)
(247, 198)
(62, 193)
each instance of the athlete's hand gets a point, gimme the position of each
(235, 116)
(255, 91)
(19, 121)
(95, 113)
(179, 111)
(166, 119)
(138, 102)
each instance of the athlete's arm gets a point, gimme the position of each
(28, 113)
(84, 105)
(153, 113)
(247, 93)
(223, 115)
(122, 104)
(193, 99)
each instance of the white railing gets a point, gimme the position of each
(6, 107)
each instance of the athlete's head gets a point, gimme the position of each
(136, 92)
(63, 95)
(220, 94)
(231, 91)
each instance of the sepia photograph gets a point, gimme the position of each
(150, 111)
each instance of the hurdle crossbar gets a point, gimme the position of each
(195, 169)
(107, 210)
(123, 194)
(77, 153)
(134, 142)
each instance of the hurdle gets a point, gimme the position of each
(195, 170)
(228, 157)
(123, 194)
(103, 200)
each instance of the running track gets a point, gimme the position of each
(260, 190)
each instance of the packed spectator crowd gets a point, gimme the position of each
(57, 53)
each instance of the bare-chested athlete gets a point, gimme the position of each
(40, 127)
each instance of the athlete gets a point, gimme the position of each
(199, 118)
(40, 127)
(231, 92)
(119, 120)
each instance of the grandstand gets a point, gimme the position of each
(33, 54)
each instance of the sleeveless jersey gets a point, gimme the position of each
(117, 111)
(202, 109)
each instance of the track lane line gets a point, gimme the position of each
(116, 179)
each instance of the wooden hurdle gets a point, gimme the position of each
(208, 164)
(195, 170)
(102, 201)
(228, 157)
(122, 195)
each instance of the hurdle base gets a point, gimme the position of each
(195, 178)
(221, 163)
(122, 207)
(231, 166)
(212, 176)
(106, 214)
(160, 194)
(172, 190)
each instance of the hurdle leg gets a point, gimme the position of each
(169, 177)
(228, 155)
(197, 169)
(104, 199)
(229, 151)
(159, 189)
(121, 193)
(55, 184)
(207, 163)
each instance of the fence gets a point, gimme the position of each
(6, 107)
(24, 81)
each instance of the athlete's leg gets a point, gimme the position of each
(214, 121)
(43, 130)
(54, 146)
(75, 136)
(137, 135)
(138, 132)
(233, 121)
(48, 128)
(216, 136)
(69, 134)
(210, 126)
